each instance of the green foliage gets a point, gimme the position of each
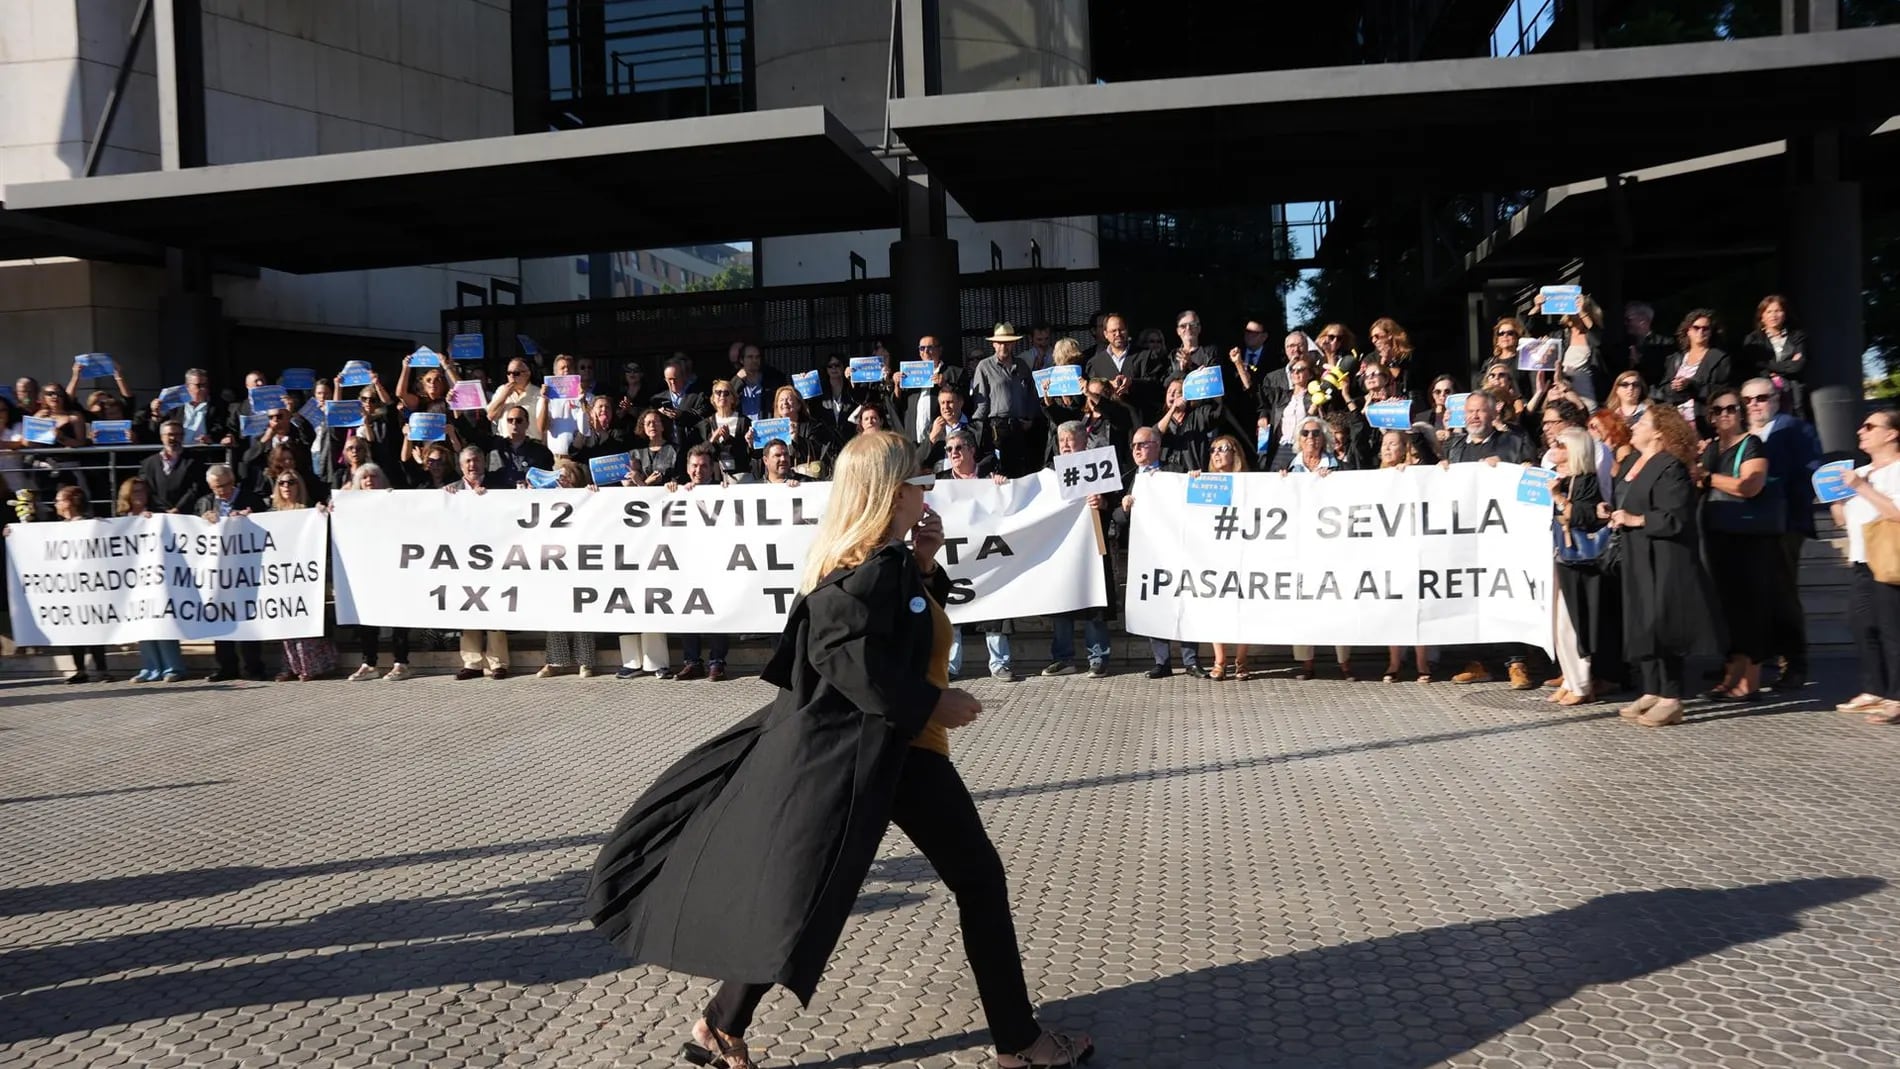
(730, 277)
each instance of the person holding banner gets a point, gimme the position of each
(70, 505)
(225, 499)
(432, 390)
(561, 421)
(728, 431)
(964, 459)
(305, 659)
(1667, 596)
(369, 636)
(569, 651)
(702, 471)
(804, 789)
(1580, 336)
(69, 424)
(1227, 456)
(1876, 605)
(1187, 427)
(483, 650)
(604, 436)
(1072, 437)
(1145, 447)
(160, 660)
(1314, 454)
(812, 447)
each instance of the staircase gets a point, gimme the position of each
(1824, 590)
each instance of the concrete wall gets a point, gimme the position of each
(835, 54)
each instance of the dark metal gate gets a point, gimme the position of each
(796, 326)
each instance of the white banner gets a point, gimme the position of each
(1423, 556)
(95, 582)
(701, 560)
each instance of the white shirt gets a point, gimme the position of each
(1291, 419)
(566, 421)
(1859, 511)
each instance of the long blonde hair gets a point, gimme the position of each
(865, 482)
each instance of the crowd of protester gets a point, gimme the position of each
(1681, 477)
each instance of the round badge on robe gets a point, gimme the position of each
(916, 605)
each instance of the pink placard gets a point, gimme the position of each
(466, 395)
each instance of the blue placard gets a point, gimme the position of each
(252, 425)
(768, 430)
(343, 414)
(1059, 380)
(1455, 411)
(1533, 487)
(1210, 490)
(1202, 384)
(312, 413)
(301, 379)
(265, 398)
(427, 357)
(1828, 487)
(111, 432)
(353, 376)
(465, 347)
(610, 469)
(40, 431)
(1262, 439)
(173, 397)
(428, 426)
(1562, 300)
(528, 347)
(916, 374)
(6, 391)
(543, 479)
(1390, 415)
(807, 384)
(95, 366)
(867, 369)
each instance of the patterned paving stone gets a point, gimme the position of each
(1259, 874)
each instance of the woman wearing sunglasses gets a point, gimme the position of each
(1743, 517)
(1876, 605)
(1697, 368)
(800, 793)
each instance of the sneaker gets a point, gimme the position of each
(632, 673)
(1059, 668)
(363, 671)
(1160, 671)
(1521, 677)
(669, 672)
(1006, 674)
(1474, 672)
(146, 675)
(1098, 669)
(171, 677)
(692, 670)
(586, 671)
(397, 673)
(468, 673)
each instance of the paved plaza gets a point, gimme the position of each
(1266, 873)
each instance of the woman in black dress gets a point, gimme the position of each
(1579, 546)
(1667, 597)
(1742, 521)
(1697, 368)
(803, 790)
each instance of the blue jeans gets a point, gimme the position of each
(717, 647)
(1062, 638)
(159, 656)
(995, 641)
(1190, 652)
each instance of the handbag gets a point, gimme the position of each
(1730, 514)
(1881, 538)
(1575, 547)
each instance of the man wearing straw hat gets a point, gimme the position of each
(1003, 399)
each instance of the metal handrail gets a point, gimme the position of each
(114, 466)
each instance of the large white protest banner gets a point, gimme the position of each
(1422, 556)
(92, 582)
(706, 559)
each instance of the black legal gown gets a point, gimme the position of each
(1668, 600)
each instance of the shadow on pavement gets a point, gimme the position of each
(1412, 1000)
(108, 792)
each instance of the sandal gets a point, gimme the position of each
(1424, 677)
(1861, 703)
(1219, 673)
(1391, 673)
(1889, 714)
(1576, 697)
(1240, 672)
(730, 1053)
(1061, 1049)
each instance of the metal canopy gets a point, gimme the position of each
(1399, 129)
(645, 185)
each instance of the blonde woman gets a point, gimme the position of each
(305, 659)
(1227, 456)
(1398, 451)
(799, 795)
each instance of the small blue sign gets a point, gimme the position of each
(112, 432)
(611, 469)
(428, 426)
(1533, 487)
(173, 397)
(765, 431)
(916, 374)
(528, 347)
(253, 425)
(1828, 487)
(343, 414)
(1202, 384)
(1210, 490)
(1455, 411)
(353, 376)
(543, 479)
(1059, 380)
(427, 357)
(1562, 300)
(867, 370)
(265, 398)
(95, 366)
(301, 379)
(40, 431)
(1262, 439)
(807, 384)
(468, 348)
(312, 413)
(6, 391)
(1390, 415)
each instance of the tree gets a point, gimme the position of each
(730, 277)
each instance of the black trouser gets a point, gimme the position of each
(371, 639)
(1661, 676)
(934, 808)
(228, 654)
(1875, 611)
(79, 657)
(1736, 558)
(1787, 620)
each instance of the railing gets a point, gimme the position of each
(98, 469)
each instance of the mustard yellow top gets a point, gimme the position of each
(935, 737)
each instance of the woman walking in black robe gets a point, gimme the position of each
(743, 861)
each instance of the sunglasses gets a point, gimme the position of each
(286, 482)
(1441, 391)
(1629, 385)
(722, 393)
(1312, 434)
(1724, 410)
(928, 482)
(1758, 398)
(1700, 328)
(1223, 449)
(517, 374)
(1872, 426)
(956, 449)
(1507, 333)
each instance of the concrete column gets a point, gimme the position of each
(179, 36)
(1822, 262)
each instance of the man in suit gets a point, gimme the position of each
(916, 410)
(173, 475)
(226, 500)
(679, 401)
(242, 406)
(1794, 451)
(1131, 375)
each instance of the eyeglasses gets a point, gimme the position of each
(1299, 369)
(1507, 332)
(1758, 398)
(1629, 385)
(722, 393)
(956, 449)
(1700, 328)
(1145, 445)
(1724, 410)
(927, 481)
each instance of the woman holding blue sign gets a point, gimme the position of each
(727, 431)
(1876, 605)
